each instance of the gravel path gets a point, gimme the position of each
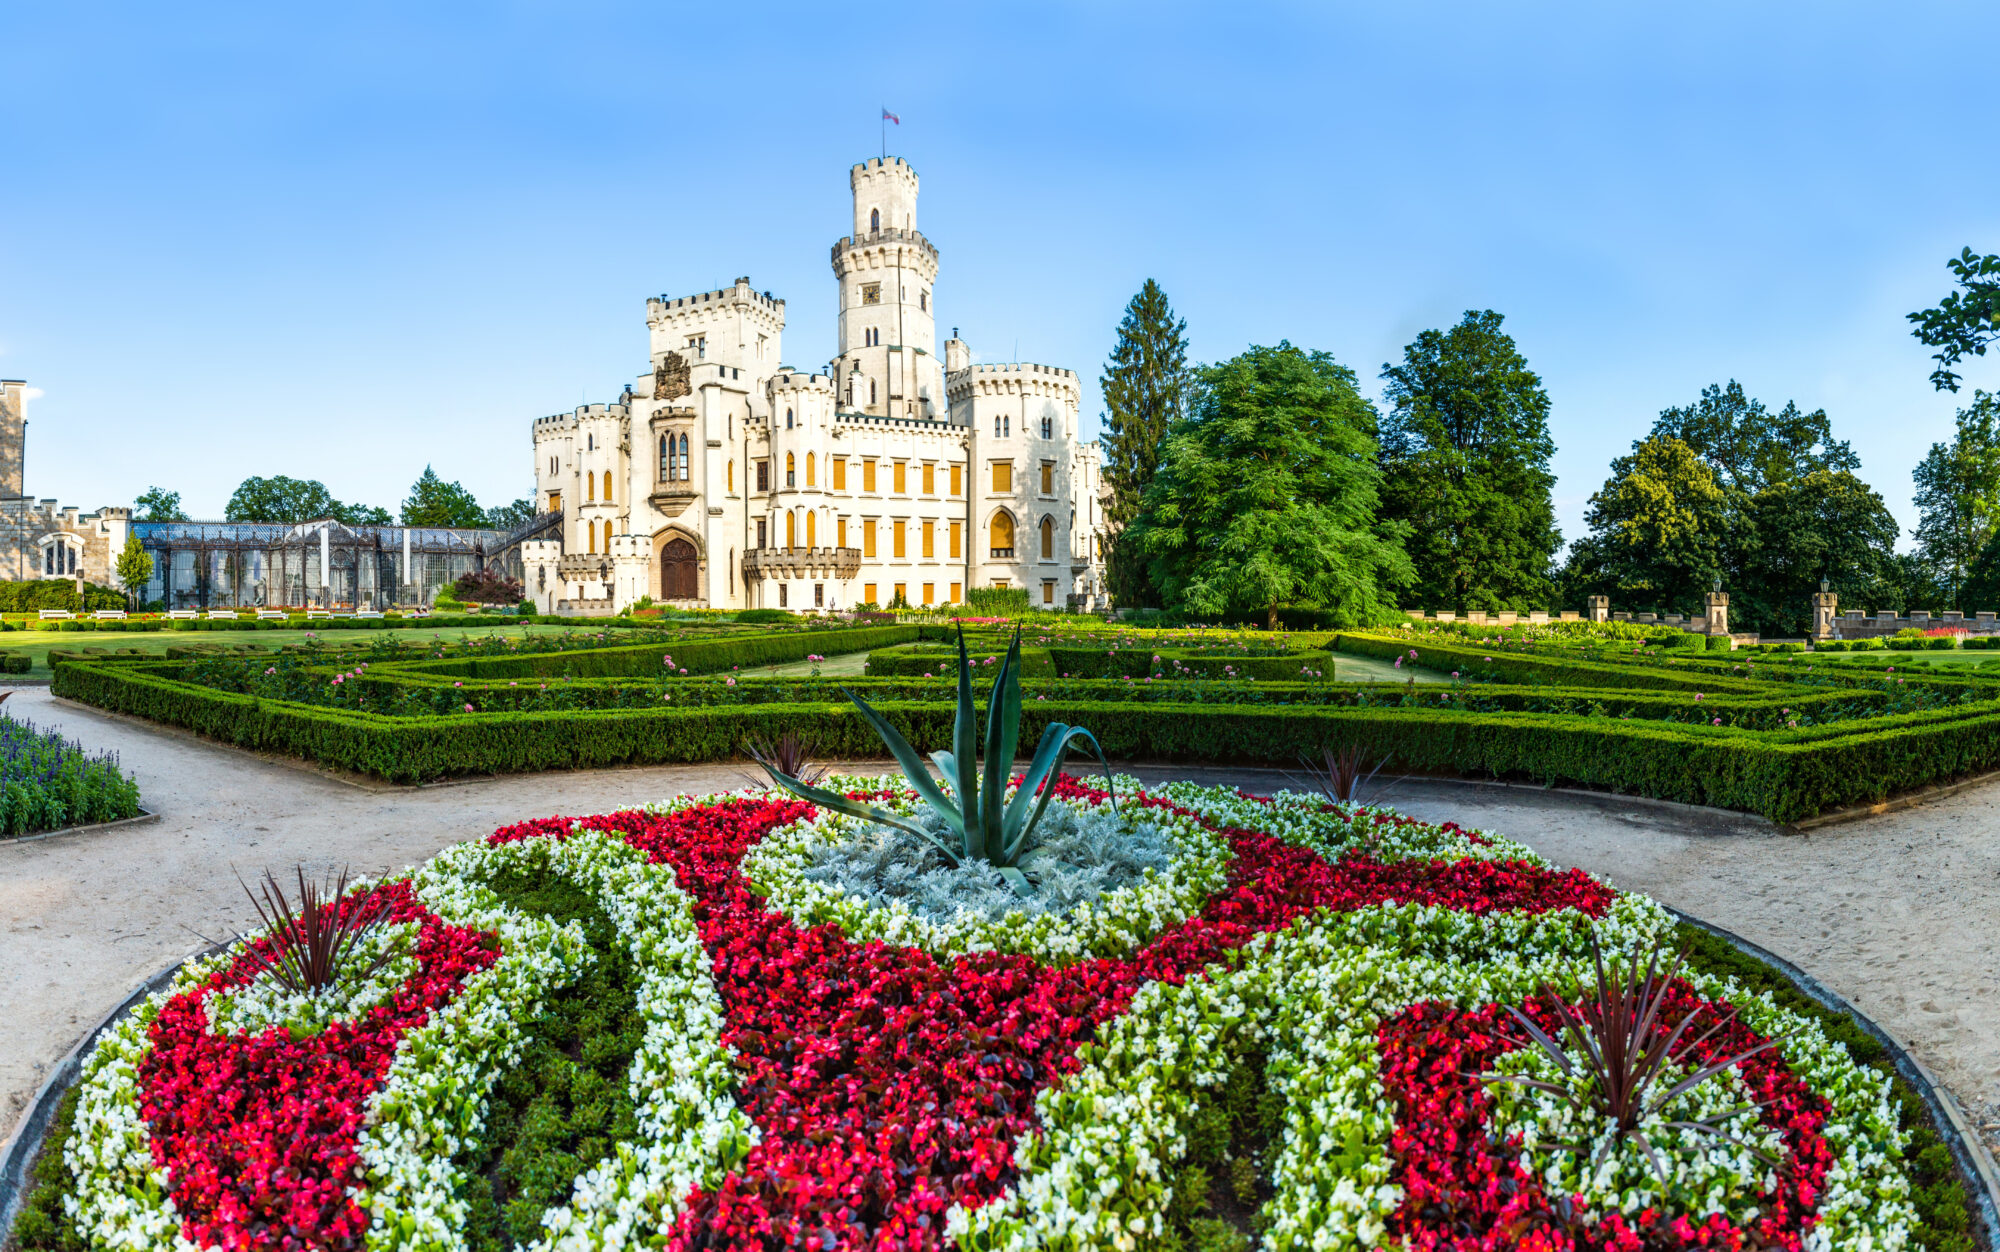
(1896, 913)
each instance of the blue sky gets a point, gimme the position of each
(342, 242)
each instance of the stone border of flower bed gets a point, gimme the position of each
(1975, 1164)
(17, 1155)
(145, 817)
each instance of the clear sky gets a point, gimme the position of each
(341, 242)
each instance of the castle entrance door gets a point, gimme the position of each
(677, 571)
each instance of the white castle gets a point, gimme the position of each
(724, 478)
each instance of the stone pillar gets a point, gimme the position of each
(1825, 605)
(1717, 622)
(1597, 608)
(325, 563)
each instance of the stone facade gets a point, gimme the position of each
(44, 538)
(725, 478)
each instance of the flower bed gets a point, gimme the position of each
(48, 782)
(812, 1072)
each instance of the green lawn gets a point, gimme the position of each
(36, 643)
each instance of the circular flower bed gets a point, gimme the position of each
(818, 1070)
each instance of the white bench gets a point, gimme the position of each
(314, 613)
(57, 615)
(369, 613)
(183, 615)
(222, 615)
(267, 615)
(109, 615)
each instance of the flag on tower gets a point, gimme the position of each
(890, 117)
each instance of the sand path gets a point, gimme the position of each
(1897, 913)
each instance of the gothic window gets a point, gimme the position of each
(1047, 425)
(791, 471)
(1048, 539)
(1007, 424)
(924, 301)
(666, 457)
(685, 475)
(996, 425)
(871, 391)
(809, 470)
(1001, 533)
(874, 220)
(590, 443)
(788, 419)
(607, 486)
(590, 489)
(791, 530)
(810, 528)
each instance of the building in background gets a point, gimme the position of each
(43, 538)
(726, 478)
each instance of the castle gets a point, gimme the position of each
(725, 478)
(43, 538)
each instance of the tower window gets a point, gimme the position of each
(666, 457)
(874, 220)
(924, 301)
(1048, 424)
(788, 419)
(871, 391)
(791, 471)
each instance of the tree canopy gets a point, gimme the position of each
(1145, 384)
(1965, 321)
(1465, 454)
(1958, 496)
(508, 516)
(1267, 495)
(1748, 446)
(435, 502)
(1655, 526)
(157, 504)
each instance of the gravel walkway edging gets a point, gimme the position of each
(1975, 1164)
(22, 1147)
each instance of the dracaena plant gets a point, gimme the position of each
(313, 945)
(981, 822)
(1625, 1033)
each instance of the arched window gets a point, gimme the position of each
(996, 425)
(1047, 427)
(593, 536)
(590, 488)
(666, 457)
(791, 471)
(685, 474)
(788, 419)
(871, 391)
(809, 469)
(874, 220)
(731, 483)
(1048, 538)
(607, 486)
(810, 538)
(791, 530)
(1001, 532)
(1007, 424)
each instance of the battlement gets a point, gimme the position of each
(885, 196)
(708, 306)
(792, 380)
(905, 423)
(883, 167)
(852, 251)
(1011, 378)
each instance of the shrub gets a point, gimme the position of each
(485, 587)
(1941, 643)
(997, 601)
(759, 617)
(15, 662)
(1722, 643)
(1678, 639)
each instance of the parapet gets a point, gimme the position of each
(1011, 378)
(704, 306)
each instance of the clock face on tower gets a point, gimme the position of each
(871, 293)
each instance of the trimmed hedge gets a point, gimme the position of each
(695, 656)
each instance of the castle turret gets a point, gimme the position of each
(13, 436)
(887, 364)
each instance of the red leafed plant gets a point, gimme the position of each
(789, 754)
(1340, 774)
(1622, 1030)
(311, 945)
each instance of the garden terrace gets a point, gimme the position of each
(1781, 736)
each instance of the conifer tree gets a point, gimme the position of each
(1145, 386)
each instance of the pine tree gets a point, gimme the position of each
(1145, 386)
(435, 502)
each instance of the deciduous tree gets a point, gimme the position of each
(157, 504)
(1267, 495)
(1958, 496)
(1655, 528)
(1145, 384)
(1966, 320)
(1465, 452)
(135, 566)
(280, 499)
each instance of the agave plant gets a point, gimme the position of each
(1621, 1030)
(790, 754)
(1341, 774)
(983, 824)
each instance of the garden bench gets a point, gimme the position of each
(267, 615)
(183, 615)
(109, 615)
(373, 613)
(57, 615)
(222, 615)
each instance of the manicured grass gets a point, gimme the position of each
(37, 643)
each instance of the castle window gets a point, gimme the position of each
(1003, 476)
(930, 542)
(809, 469)
(1001, 533)
(954, 480)
(1048, 539)
(901, 552)
(840, 533)
(996, 425)
(868, 544)
(955, 538)
(607, 486)
(871, 391)
(899, 478)
(730, 476)
(791, 530)
(666, 457)
(930, 479)
(782, 589)
(590, 489)
(868, 476)
(698, 344)
(874, 220)
(924, 303)
(1048, 424)
(811, 538)
(788, 419)
(763, 478)
(791, 471)
(840, 473)
(1007, 424)
(763, 532)
(1048, 478)
(684, 459)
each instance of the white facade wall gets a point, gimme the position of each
(820, 530)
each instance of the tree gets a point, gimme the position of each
(1827, 525)
(508, 516)
(1656, 527)
(157, 504)
(280, 499)
(1465, 454)
(1145, 392)
(1965, 321)
(1267, 495)
(135, 567)
(1748, 446)
(435, 502)
(1958, 496)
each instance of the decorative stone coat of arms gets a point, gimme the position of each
(672, 379)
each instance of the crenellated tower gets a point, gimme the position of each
(887, 365)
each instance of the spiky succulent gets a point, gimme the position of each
(972, 803)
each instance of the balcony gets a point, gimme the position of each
(781, 563)
(671, 498)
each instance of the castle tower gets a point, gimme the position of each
(888, 364)
(13, 436)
